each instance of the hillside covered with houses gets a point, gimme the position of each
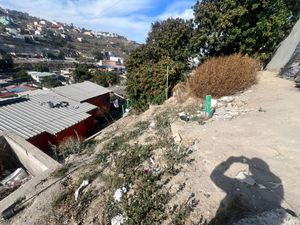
(27, 36)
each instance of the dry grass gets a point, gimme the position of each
(223, 76)
(180, 92)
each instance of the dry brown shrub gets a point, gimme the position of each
(223, 76)
(180, 92)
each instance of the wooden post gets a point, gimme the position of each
(167, 89)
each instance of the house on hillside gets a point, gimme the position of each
(41, 76)
(44, 117)
(87, 92)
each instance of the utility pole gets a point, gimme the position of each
(167, 89)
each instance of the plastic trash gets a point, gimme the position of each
(83, 185)
(119, 193)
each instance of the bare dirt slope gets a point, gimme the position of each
(241, 167)
(269, 138)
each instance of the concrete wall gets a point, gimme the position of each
(286, 50)
(33, 159)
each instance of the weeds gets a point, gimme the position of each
(62, 171)
(146, 200)
(60, 199)
(184, 210)
(72, 146)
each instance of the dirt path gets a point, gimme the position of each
(272, 137)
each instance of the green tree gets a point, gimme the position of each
(51, 82)
(168, 44)
(98, 55)
(23, 76)
(147, 84)
(253, 27)
(42, 68)
(6, 63)
(106, 79)
(81, 73)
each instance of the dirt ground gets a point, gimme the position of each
(268, 138)
(261, 147)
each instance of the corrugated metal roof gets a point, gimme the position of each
(34, 116)
(81, 91)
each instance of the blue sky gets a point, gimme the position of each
(130, 18)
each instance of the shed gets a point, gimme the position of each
(43, 116)
(87, 92)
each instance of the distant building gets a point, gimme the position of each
(5, 82)
(19, 88)
(88, 33)
(112, 65)
(37, 32)
(41, 76)
(6, 20)
(11, 31)
(118, 60)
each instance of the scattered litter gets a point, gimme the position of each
(226, 99)
(126, 112)
(261, 186)
(118, 220)
(152, 160)
(116, 103)
(83, 185)
(229, 107)
(245, 178)
(119, 193)
(214, 103)
(184, 116)
(261, 110)
(152, 125)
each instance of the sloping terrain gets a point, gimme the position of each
(155, 168)
(43, 35)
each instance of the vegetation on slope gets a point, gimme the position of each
(223, 76)
(168, 44)
(219, 28)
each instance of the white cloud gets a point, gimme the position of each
(126, 17)
(179, 9)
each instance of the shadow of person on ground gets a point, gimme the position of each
(260, 191)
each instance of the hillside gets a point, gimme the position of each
(21, 33)
(154, 168)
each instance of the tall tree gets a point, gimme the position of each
(6, 63)
(253, 27)
(81, 73)
(168, 44)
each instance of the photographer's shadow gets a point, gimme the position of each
(244, 199)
